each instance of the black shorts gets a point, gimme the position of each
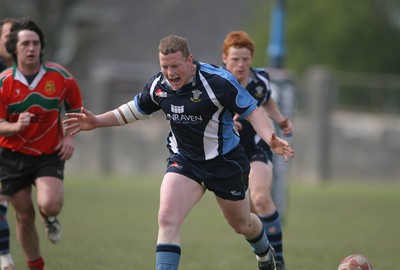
(260, 153)
(227, 176)
(18, 171)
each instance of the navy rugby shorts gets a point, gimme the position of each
(260, 153)
(18, 171)
(227, 175)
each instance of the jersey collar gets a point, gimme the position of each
(20, 77)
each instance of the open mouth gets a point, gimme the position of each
(174, 80)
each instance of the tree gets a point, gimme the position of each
(356, 35)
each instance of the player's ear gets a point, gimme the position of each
(224, 58)
(190, 59)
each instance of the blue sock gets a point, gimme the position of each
(273, 229)
(167, 256)
(260, 244)
(4, 230)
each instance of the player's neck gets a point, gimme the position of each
(245, 81)
(192, 74)
(29, 69)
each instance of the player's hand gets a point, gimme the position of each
(24, 119)
(286, 126)
(65, 147)
(76, 122)
(280, 147)
(238, 126)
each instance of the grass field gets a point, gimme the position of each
(110, 222)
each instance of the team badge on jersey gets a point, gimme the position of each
(196, 95)
(50, 87)
(259, 90)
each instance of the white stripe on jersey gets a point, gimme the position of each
(266, 82)
(211, 131)
(152, 87)
(173, 143)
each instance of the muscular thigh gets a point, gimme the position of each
(260, 176)
(22, 201)
(261, 168)
(178, 194)
(234, 211)
(50, 190)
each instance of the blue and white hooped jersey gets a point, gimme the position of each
(200, 113)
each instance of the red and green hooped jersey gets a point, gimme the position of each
(53, 88)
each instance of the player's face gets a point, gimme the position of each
(5, 32)
(177, 69)
(28, 49)
(238, 62)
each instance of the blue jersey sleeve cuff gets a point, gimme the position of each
(249, 110)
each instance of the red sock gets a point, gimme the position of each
(37, 264)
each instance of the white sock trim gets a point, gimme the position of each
(6, 260)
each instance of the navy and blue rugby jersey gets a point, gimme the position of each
(200, 113)
(259, 87)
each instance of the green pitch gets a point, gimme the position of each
(110, 222)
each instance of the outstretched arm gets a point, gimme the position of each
(259, 120)
(86, 120)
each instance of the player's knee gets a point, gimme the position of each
(240, 226)
(51, 209)
(25, 220)
(263, 203)
(167, 221)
